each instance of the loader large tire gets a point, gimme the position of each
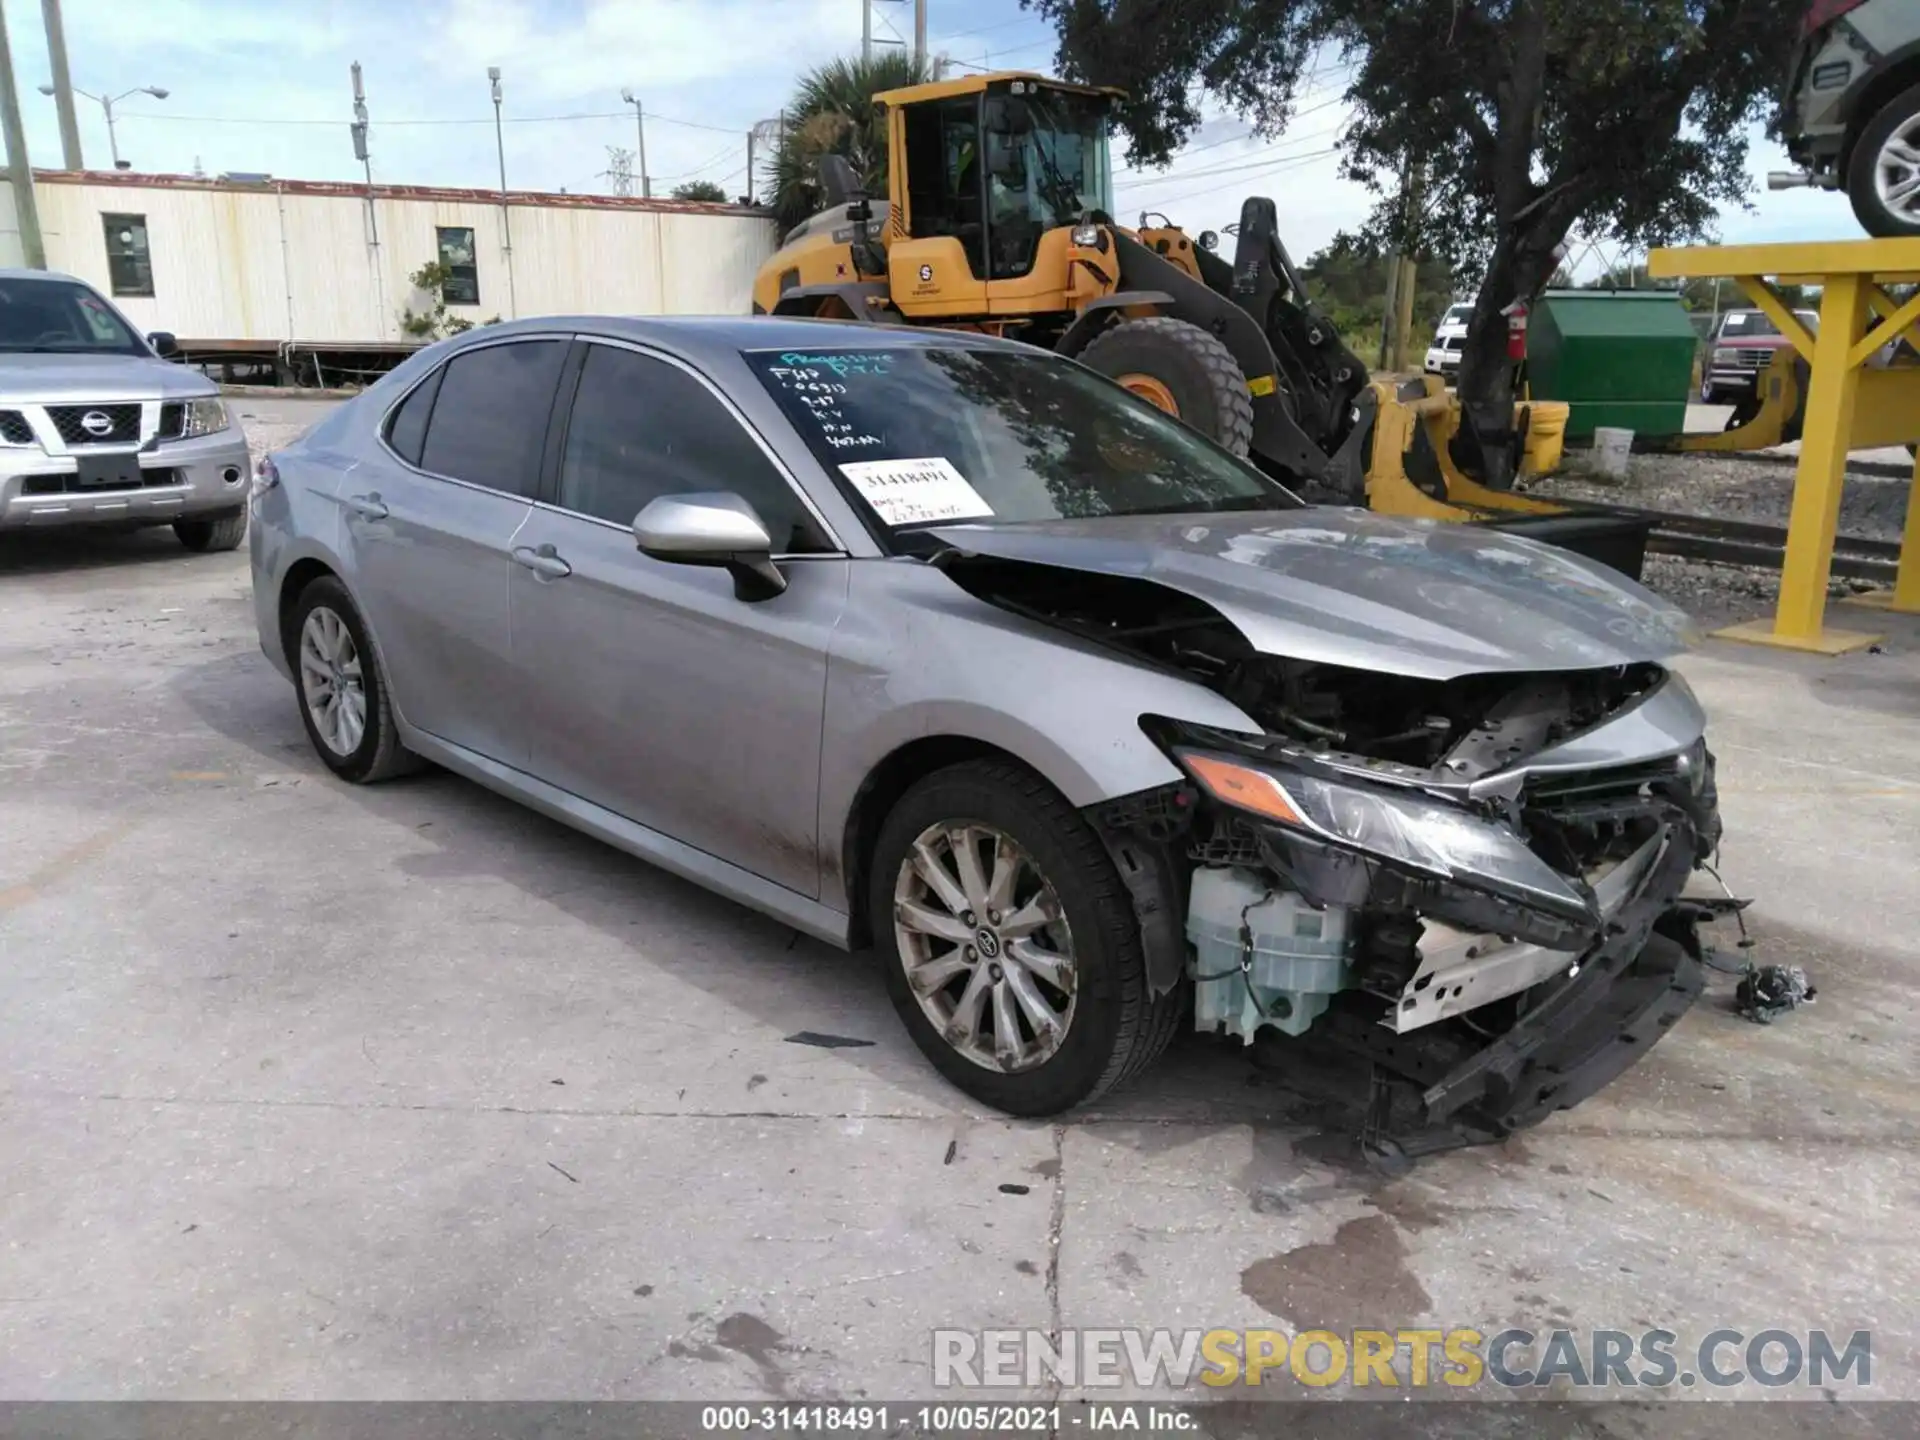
(1183, 370)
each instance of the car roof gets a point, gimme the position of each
(14, 272)
(714, 336)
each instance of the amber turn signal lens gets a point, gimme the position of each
(1243, 787)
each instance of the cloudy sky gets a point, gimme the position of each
(262, 85)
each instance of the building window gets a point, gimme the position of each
(129, 265)
(462, 286)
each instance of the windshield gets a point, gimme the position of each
(1458, 315)
(1749, 323)
(926, 436)
(1047, 158)
(61, 316)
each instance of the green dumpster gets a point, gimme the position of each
(1617, 357)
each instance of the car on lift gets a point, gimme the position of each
(1850, 114)
(98, 427)
(952, 646)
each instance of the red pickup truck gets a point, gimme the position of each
(1742, 346)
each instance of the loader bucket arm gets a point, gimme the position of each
(1325, 456)
(1325, 376)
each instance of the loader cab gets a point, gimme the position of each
(985, 168)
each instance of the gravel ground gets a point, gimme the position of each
(1731, 487)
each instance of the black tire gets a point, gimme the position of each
(1708, 395)
(222, 532)
(1863, 164)
(1116, 1029)
(1206, 382)
(379, 755)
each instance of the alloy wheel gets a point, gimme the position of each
(331, 681)
(1896, 171)
(985, 945)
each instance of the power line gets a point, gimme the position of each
(1287, 164)
(1240, 165)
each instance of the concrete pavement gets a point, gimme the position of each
(404, 1092)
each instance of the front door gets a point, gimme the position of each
(652, 690)
(429, 533)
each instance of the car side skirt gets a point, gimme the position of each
(787, 906)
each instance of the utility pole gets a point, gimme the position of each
(506, 220)
(919, 35)
(19, 168)
(866, 32)
(62, 86)
(360, 152)
(640, 140)
(1393, 340)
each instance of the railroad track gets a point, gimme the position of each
(1746, 542)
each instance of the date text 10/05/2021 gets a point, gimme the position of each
(966, 1419)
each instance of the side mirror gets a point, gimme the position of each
(164, 345)
(718, 528)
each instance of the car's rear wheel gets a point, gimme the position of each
(222, 532)
(1708, 395)
(1883, 175)
(1011, 948)
(343, 693)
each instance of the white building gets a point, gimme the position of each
(236, 265)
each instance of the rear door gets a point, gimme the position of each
(430, 533)
(652, 690)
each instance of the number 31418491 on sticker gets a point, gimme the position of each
(912, 492)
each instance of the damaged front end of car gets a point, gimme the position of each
(1474, 884)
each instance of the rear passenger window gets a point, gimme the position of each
(489, 422)
(642, 428)
(408, 429)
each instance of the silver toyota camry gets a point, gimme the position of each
(950, 647)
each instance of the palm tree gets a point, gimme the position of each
(832, 112)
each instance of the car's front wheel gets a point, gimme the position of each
(343, 694)
(1011, 948)
(1883, 176)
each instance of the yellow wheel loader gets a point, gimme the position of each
(999, 218)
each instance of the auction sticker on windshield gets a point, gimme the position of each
(911, 492)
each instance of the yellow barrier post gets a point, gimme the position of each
(1852, 276)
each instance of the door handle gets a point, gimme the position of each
(543, 561)
(370, 507)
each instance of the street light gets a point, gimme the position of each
(640, 131)
(106, 103)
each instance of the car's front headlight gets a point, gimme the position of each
(205, 417)
(1399, 826)
(1725, 357)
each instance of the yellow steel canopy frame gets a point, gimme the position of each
(1846, 407)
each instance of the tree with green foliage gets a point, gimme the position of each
(832, 113)
(1512, 119)
(1348, 281)
(707, 190)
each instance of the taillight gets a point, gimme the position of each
(1823, 13)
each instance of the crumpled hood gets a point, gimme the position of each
(92, 379)
(1346, 587)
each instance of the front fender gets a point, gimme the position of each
(917, 658)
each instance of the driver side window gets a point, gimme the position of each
(641, 428)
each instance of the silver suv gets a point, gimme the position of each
(97, 427)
